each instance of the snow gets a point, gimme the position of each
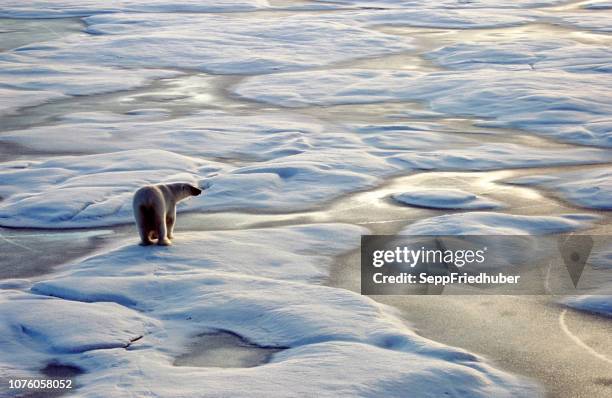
(525, 54)
(315, 369)
(218, 43)
(28, 82)
(42, 319)
(12, 100)
(96, 190)
(281, 155)
(445, 18)
(596, 22)
(486, 230)
(301, 253)
(34, 330)
(565, 106)
(588, 188)
(278, 154)
(16, 33)
(125, 313)
(78, 190)
(445, 199)
(488, 223)
(496, 157)
(446, 4)
(410, 136)
(210, 281)
(601, 258)
(71, 8)
(24, 73)
(208, 134)
(598, 304)
(597, 5)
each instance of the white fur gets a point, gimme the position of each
(155, 210)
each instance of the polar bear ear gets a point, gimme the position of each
(194, 191)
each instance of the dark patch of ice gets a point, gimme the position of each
(225, 349)
(56, 370)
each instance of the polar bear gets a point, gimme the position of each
(155, 210)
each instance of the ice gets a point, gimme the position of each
(597, 5)
(42, 320)
(78, 191)
(210, 134)
(247, 161)
(211, 281)
(445, 4)
(270, 159)
(218, 43)
(126, 313)
(312, 370)
(301, 253)
(96, 190)
(601, 258)
(15, 33)
(527, 54)
(37, 330)
(598, 304)
(221, 349)
(28, 82)
(446, 18)
(586, 188)
(262, 310)
(12, 100)
(71, 8)
(100, 186)
(496, 157)
(480, 231)
(445, 199)
(565, 106)
(488, 223)
(73, 79)
(597, 22)
(410, 136)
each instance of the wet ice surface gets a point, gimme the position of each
(219, 43)
(591, 189)
(574, 105)
(302, 119)
(37, 251)
(16, 33)
(53, 9)
(597, 304)
(445, 199)
(488, 223)
(224, 350)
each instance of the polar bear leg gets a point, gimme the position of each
(144, 239)
(144, 225)
(170, 219)
(162, 231)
